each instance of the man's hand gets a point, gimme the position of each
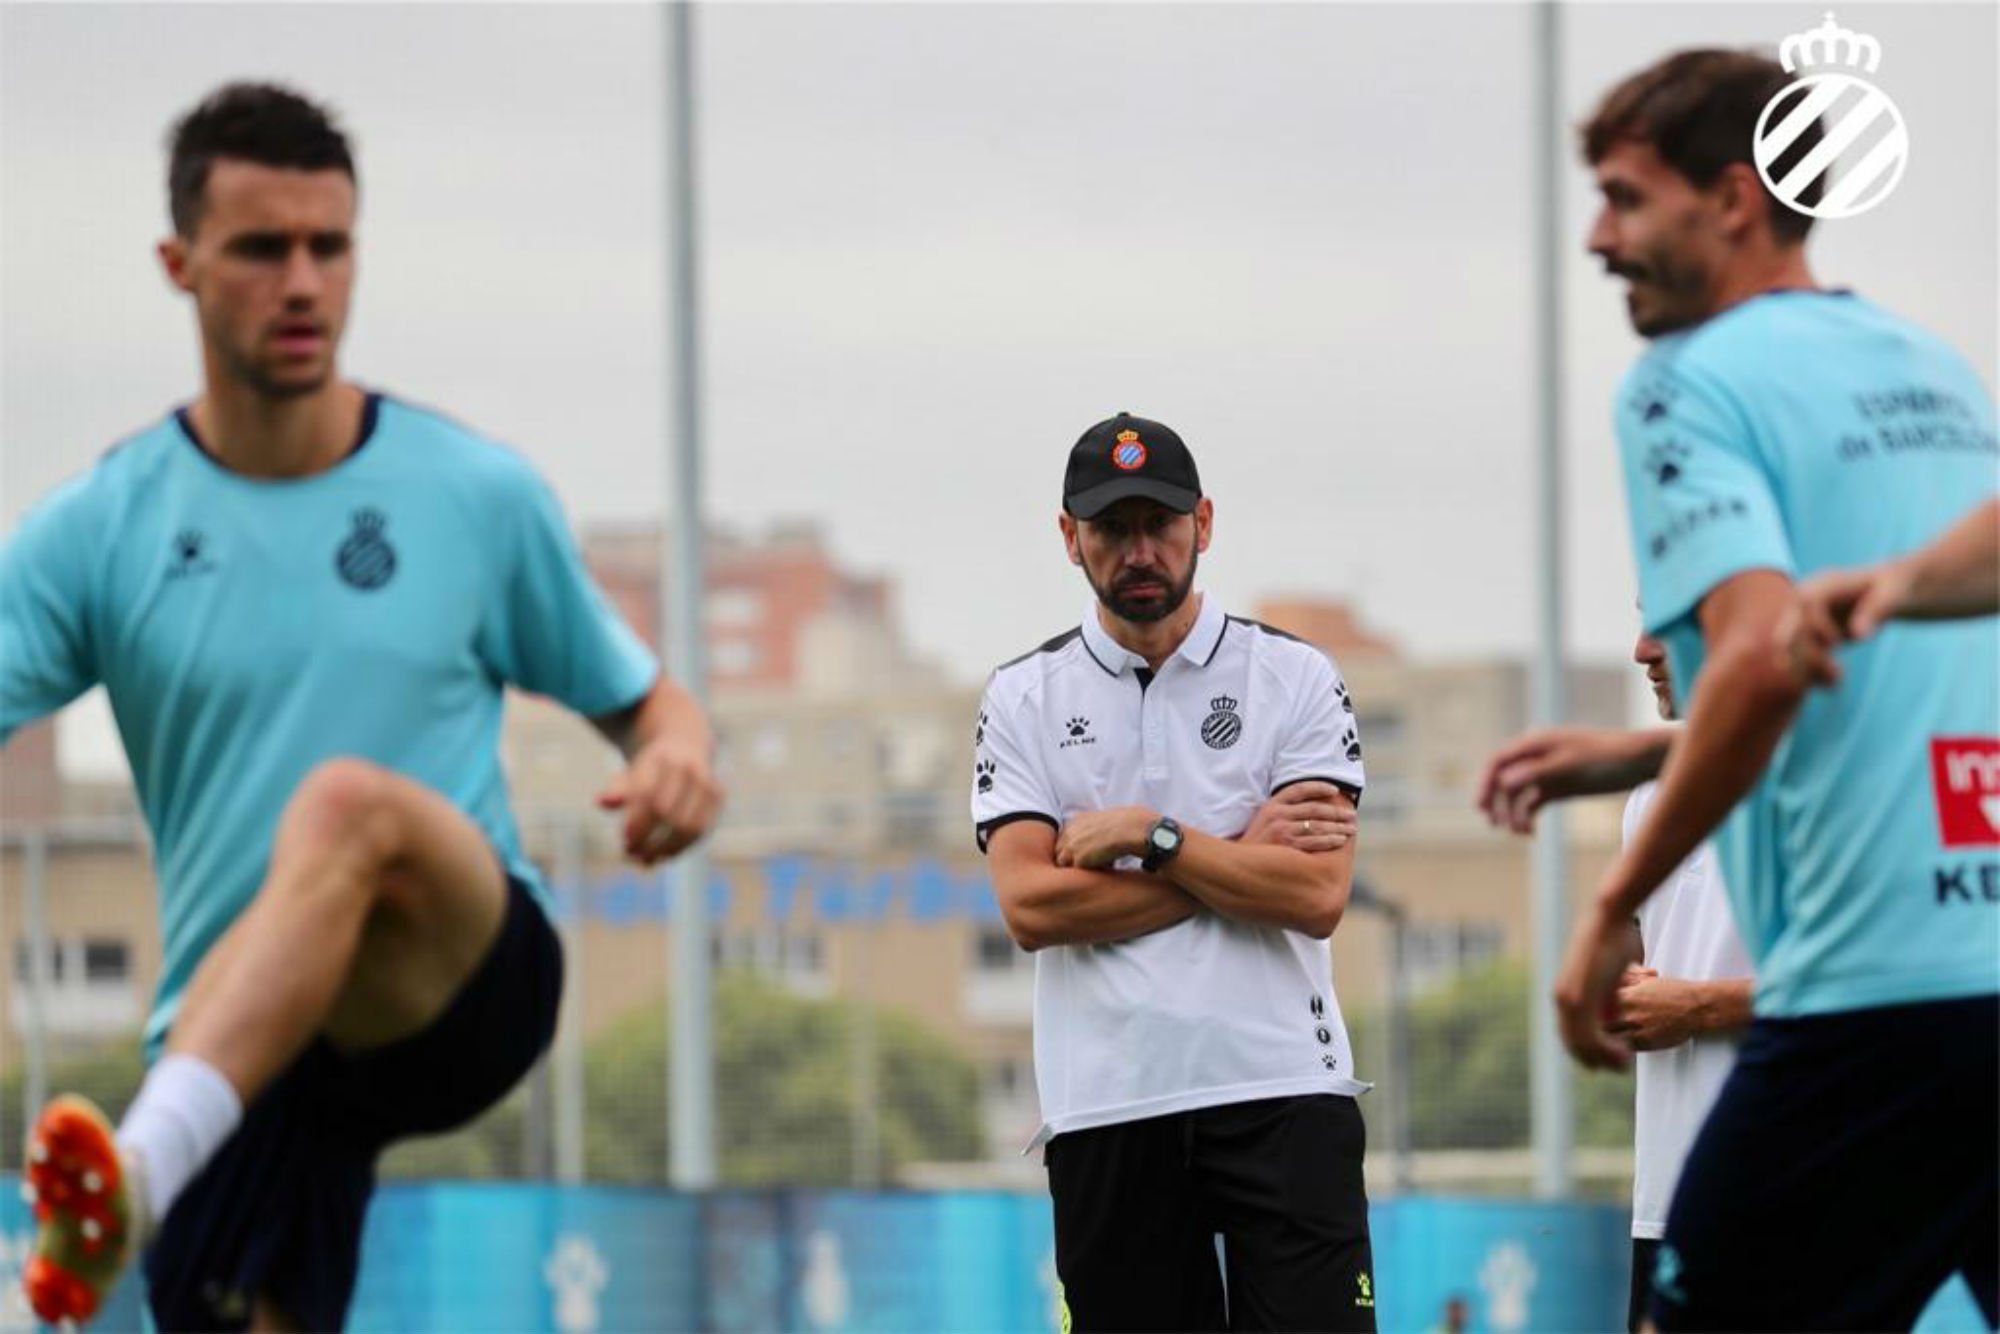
(1835, 608)
(1656, 1012)
(670, 797)
(1310, 816)
(1585, 990)
(1956, 576)
(1095, 840)
(1557, 763)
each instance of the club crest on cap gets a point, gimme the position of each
(1128, 453)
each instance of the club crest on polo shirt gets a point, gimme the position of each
(1223, 726)
(366, 560)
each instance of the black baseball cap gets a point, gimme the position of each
(1126, 456)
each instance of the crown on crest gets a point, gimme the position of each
(1222, 704)
(368, 520)
(1830, 45)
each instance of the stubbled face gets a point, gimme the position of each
(1662, 235)
(1140, 556)
(1651, 654)
(271, 269)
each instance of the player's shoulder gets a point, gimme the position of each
(1802, 329)
(1021, 676)
(1278, 651)
(433, 440)
(118, 478)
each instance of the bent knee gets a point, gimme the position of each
(352, 801)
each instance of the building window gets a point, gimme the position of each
(997, 952)
(106, 961)
(1010, 1080)
(768, 746)
(24, 957)
(1380, 729)
(1437, 952)
(792, 956)
(736, 657)
(735, 609)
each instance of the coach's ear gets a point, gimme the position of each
(173, 254)
(1068, 526)
(1204, 523)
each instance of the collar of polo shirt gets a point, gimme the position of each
(1198, 648)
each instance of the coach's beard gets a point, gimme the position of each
(1145, 613)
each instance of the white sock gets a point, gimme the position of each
(184, 1112)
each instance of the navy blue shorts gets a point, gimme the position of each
(1851, 1165)
(278, 1212)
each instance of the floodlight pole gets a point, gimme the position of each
(1551, 1113)
(691, 1073)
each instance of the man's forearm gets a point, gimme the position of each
(1070, 906)
(1641, 759)
(1959, 574)
(1265, 884)
(1740, 712)
(1723, 1007)
(667, 710)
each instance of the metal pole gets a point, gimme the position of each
(1401, 1060)
(35, 877)
(1551, 1112)
(691, 1078)
(567, 1059)
(865, 1056)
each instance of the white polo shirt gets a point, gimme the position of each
(1209, 1011)
(1688, 932)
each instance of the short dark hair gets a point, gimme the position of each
(1699, 111)
(253, 122)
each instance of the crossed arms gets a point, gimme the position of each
(1293, 867)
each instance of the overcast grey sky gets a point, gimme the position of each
(942, 239)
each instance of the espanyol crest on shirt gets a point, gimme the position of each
(1866, 144)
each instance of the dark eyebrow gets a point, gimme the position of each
(274, 242)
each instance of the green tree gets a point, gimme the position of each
(1469, 1052)
(108, 1073)
(786, 1091)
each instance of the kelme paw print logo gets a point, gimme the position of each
(983, 772)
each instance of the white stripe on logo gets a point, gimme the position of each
(1821, 96)
(1838, 140)
(1883, 160)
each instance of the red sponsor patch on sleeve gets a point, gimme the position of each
(1965, 775)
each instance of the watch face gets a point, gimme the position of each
(1166, 840)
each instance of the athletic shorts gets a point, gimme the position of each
(1138, 1207)
(1645, 1254)
(278, 1212)
(1850, 1166)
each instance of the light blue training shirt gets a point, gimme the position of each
(247, 630)
(1800, 431)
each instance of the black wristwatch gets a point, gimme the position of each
(1163, 844)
